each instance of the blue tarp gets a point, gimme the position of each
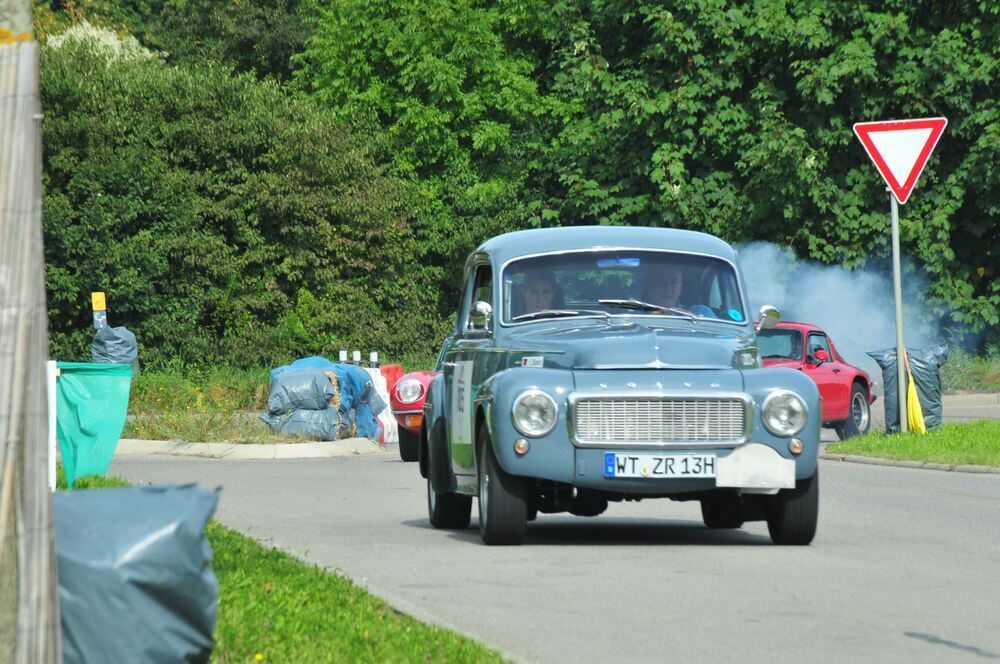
(357, 393)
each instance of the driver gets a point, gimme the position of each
(540, 291)
(664, 286)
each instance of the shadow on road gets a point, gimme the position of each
(564, 531)
(937, 640)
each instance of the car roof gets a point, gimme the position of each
(568, 238)
(794, 325)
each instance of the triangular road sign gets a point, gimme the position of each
(900, 149)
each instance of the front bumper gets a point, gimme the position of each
(757, 461)
(409, 419)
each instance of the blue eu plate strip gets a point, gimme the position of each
(609, 464)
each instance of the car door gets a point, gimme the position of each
(829, 377)
(463, 370)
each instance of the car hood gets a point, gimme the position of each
(633, 345)
(785, 362)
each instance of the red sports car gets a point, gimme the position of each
(406, 399)
(847, 391)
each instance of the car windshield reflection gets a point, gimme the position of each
(621, 283)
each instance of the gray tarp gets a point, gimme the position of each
(326, 424)
(135, 580)
(308, 389)
(925, 365)
(114, 345)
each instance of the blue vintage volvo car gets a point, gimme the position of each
(597, 364)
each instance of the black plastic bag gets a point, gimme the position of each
(925, 365)
(135, 579)
(114, 345)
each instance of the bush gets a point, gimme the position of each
(206, 205)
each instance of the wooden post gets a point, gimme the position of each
(29, 608)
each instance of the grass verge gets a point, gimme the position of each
(975, 443)
(219, 390)
(276, 608)
(968, 373)
(205, 427)
(273, 605)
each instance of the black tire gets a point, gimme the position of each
(722, 514)
(793, 513)
(859, 417)
(503, 499)
(409, 445)
(451, 511)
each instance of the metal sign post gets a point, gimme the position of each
(897, 289)
(900, 150)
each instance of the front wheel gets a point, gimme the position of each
(448, 510)
(858, 418)
(792, 514)
(409, 445)
(503, 499)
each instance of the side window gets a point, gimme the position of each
(483, 285)
(818, 342)
(482, 290)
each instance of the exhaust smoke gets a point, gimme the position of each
(855, 307)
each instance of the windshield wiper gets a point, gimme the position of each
(646, 306)
(559, 313)
(768, 357)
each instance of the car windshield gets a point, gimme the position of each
(621, 283)
(778, 344)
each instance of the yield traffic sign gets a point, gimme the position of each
(900, 149)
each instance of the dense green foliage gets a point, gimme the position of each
(222, 213)
(259, 36)
(731, 118)
(224, 218)
(736, 119)
(457, 97)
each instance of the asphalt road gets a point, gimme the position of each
(905, 566)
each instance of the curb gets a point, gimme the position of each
(322, 449)
(923, 465)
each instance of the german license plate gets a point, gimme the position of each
(659, 465)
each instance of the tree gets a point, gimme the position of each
(207, 205)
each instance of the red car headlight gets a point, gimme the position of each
(409, 390)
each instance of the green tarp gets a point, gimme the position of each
(91, 403)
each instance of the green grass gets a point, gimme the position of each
(276, 608)
(967, 373)
(976, 443)
(288, 611)
(205, 427)
(218, 390)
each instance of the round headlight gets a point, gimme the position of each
(784, 413)
(534, 413)
(409, 390)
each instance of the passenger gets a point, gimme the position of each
(664, 286)
(540, 291)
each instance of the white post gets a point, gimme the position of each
(51, 374)
(898, 291)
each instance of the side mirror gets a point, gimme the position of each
(821, 355)
(481, 314)
(769, 316)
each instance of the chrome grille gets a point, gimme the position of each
(659, 420)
